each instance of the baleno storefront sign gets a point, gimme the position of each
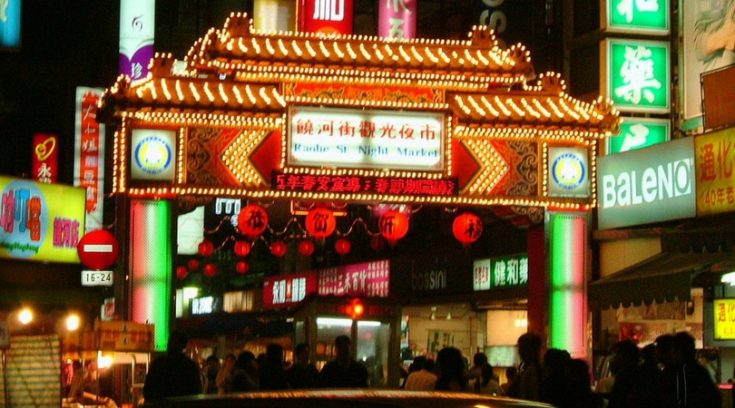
(644, 186)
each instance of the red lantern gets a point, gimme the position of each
(278, 248)
(193, 264)
(306, 247)
(181, 272)
(343, 246)
(320, 222)
(393, 225)
(377, 242)
(242, 267)
(252, 220)
(206, 248)
(210, 270)
(242, 248)
(467, 228)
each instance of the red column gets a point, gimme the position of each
(538, 295)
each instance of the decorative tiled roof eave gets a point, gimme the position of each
(545, 106)
(238, 48)
(162, 91)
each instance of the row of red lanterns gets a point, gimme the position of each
(321, 223)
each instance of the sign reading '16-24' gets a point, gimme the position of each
(637, 74)
(368, 139)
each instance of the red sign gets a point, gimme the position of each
(326, 16)
(287, 290)
(364, 279)
(88, 168)
(98, 249)
(45, 158)
(365, 185)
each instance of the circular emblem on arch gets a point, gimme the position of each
(568, 171)
(153, 155)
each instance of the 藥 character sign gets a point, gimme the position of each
(637, 74)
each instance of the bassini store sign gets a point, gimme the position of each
(371, 139)
(40, 222)
(649, 185)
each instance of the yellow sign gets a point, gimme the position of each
(40, 222)
(715, 159)
(724, 319)
(124, 336)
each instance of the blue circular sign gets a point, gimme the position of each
(568, 171)
(153, 155)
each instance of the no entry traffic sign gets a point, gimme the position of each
(98, 249)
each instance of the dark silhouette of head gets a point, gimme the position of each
(274, 354)
(176, 342)
(301, 353)
(683, 348)
(529, 347)
(479, 359)
(625, 355)
(342, 346)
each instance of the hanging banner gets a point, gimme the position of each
(45, 165)
(363, 279)
(326, 16)
(397, 19)
(137, 31)
(274, 15)
(89, 154)
(40, 222)
(10, 23)
(715, 159)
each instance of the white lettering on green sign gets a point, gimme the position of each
(627, 8)
(637, 75)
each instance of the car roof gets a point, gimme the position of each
(354, 398)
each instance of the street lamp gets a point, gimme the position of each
(25, 316)
(72, 322)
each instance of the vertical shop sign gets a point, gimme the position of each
(636, 74)
(10, 23)
(397, 18)
(326, 16)
(137, 23)
(45, 165)
(724, 319)
(89, 154)
(638, 133)
(636, 16)
(715, 160)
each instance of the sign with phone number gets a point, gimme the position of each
(96, 278)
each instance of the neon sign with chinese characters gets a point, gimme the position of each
(41, 222)
(500, 272)
(288, 290)
(372, 139)
(364, 184)
(637, 16)
(637, 74)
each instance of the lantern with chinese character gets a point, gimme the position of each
(192, 264)
(467, 228)
(393, 225)
(206, 248)
(278, 248)
(241, 267)
(320, 222)
(306, 247)
(181, 272)
(242, 248)
(343, 246)
(210, 270)
(252, 220)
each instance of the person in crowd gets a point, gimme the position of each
(479, 360)
(646, 392)
(578, 388)
(528, 384)
(624, 366)
(302, 373)
(452, 370)
(343, 371)
(487, 382)
(172, 374)
(85, 388)
(209, 375)
(272, 373)
(422, 378)
(511, 374)
(245, 373)
(224, 376)
(694, 387)
(666, 380)
(553, 376)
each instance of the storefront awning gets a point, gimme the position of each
(666, 276)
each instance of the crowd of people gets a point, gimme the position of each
(663, 374)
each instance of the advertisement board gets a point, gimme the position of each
(10, 20)
(706, 33)
(288, 290)
(500, 272)
(636, 74)
(364, 138)
(724, 319)
(40, 222)
(137, 31)
(636, 17)
(370, 279)
(638, 133)
(89, 154)
(568, 172)
(646, 186)
(715, 159)
(326, 16)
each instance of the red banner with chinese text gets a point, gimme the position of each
(326, 16)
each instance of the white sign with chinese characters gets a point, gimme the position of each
(372, 139)
(501, 272)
